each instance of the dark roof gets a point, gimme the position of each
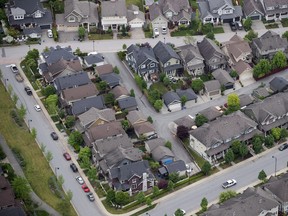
(111, 79)
(28, 31)
(270, 41)
(141, 54)
(245, 100)
(127, 102)
(176, 166)
(278, 186)
(249, 6)
(72, 80)
(93, 59)
(114, 8)
(55, 54)
(170, 97)
(161, 152)
(165, 52)
(222, 76)
(155, 11)
(84, 105)
(209, 49)
(104, 69)
(188, 93)
(278, 84)
(12, 211)
(211, 113)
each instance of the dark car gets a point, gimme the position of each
(28, 90)
(73, 167)
(283, 147)
(233, 26)
(90, 196)
(54, 136)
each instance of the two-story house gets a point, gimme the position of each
(113, 14)
(253, 9)
(169, 61)
(192, 59)
(213, 139)
(143, 61)
(219, 11)
(266, 46)
(275, 10)
(270, 113)
(77, 13)
(28, 14)
(158, 20)
(214, 57)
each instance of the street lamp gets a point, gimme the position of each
(29, 120)
(56, 168)
(275, 163)
(93, 45)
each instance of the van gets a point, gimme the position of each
(49, 33)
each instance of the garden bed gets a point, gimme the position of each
(271, 26)
(284, 22)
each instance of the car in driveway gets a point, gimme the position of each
(37, 107)
(28, 90)
(85, 188)
(283, 147)
(80, 180)
(73, 167)
(239, 25)
(67, 156)
(54, 136)
(233, 26)
(229, 183)
(14, 68)
(156, 32)
(49, 33)
(90, 196)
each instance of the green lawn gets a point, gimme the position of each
(271, 26)
(160, 87)
(179, 33)
(284, 22)
(218, 30)
(100, 36)
(37, 170)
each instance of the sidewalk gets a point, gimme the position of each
(18, 170)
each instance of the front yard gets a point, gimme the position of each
(284, 22)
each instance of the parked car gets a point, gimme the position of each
(73, 167)
(239, 25)
(49, 33)
(54, 136)
(85, 188)
(14, 68)
(164, 30)
(18, 77)
(233, 26)
(67, 156)
(283, 147)
(37, 107)
(90, 196)
(28, 90)
(156, 32)
(80, 180)
(229, 183)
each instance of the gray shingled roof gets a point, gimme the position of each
(161, 152)
(154, 143)
(136, 116)
(144, 127)
(127, 103)
(94, 59)
(245, 100)
(270, 41)
(155, 11)
(222, 76)
(176, 166)
(69, 81)
(133, 12)
(175, 6)
(212, 85)
(211, 113)
(188, 93)
(141, 54)
(278, 186)
(278, 84)
(111, 79)
(170, 97)
(84, 105)
(80, 92)
(28, 31)
(55, 54)
(186, 121)
(209, 49)
(118, 91)
(114, 8)
(189, 52)
(249, 6)
(164, 52)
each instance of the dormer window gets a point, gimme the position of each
(71, 19)
(143, 66)
(37, 14)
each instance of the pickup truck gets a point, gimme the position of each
(19, 78)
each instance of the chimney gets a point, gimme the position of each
(144, 184)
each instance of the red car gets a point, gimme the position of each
(85, 188)
(67, 156)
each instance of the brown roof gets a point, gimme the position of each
(241, 66)
(7, 197)
(80, 92)
(104, 69)
(143, 128)
(136, 117)
(118, 91)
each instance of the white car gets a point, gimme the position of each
(49, 33)
(156, 32)
(37, 107)
(14, 68)
(229, 183)
(80, 180)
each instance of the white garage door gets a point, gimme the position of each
(136, 24)
(175, 107)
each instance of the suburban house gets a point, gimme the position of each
(192, 59)
(275, 10)
(135, 17)
(112, 79)
(119, 92)
(189, 95)
(277, 187)
(157, 19)
(143, 61)
(224, 78)
(93, 60)
(172, 101)
(253, 201)
(267, 115)
(128, 103)
(169, 60)
(187, 121)
(104, 69)
(163, 155)
(219, 11)
(23, 14)
(211, 113)
(77, 13)
(261, 93)
(144, 129)
(113, 14)
(32, 32)
(178, 166)
(245, 100)
(150, 145)
(266, 46)
(213, 139)
(214, 57)
(278, 84)
(245, 72)
(136, 117)
(84, 105)
(253, 9)
(212, 88)
(133, 177)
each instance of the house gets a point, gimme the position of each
(33, 32)
(213, 139)
(157, 19)
(169, 60)
(128, 103)
(93, 60)
(119, 92)
(174, 167)
(214, 57)
(114, 14)
(23, 14)
(71, 81)
(136, 117)
(111, 79)
(84, 105)
(275, 10)
(189, 95)
(144, 129)
(253, 201)
(253, 9)
(224, 78)
(134, 177)
(192, 59)
(267, 115)
(104, 69)
(277, 187)
(266, 46)
(278, 84)
(245, 72)
(68, 96)
(261, 93)
(245, 100)
(212, 88)
(143, 61)
(163, 155)
(77, 13)
(211, 113)
(219, 11)
(187, 121)
(135, 17)
(172, 101)
(152, 144)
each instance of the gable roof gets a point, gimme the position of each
(53, 55)
(128, 102)
(80, 92)
(241, 66)
(111, 79)
(236, 46)
(189, 52)
(176, 166)
(278, 84)
(94, 59)
(161, 152)
(144, 127)
(136, 117)
(278, 186)
(83, 105)
(154, 143)
(69, 81)
(188, 93)
(133, 12)
(155, 12)
(175, 6)
(222, 76)
(211, 113)
(141, 53)
(114, 8)
(171, 97)
(245, 100)
(209, 49)
(118, 91)
(187, 121)
(212, 85)
(164, 52)
(249, 6)
(104, 69)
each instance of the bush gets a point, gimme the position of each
(162, 184)
(121, 55)
(2, 154)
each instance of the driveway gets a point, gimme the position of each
(67, 36)
(137, 33)
(257, 25)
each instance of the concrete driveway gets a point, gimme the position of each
(137, 33)
(67, 36)
(257, 25)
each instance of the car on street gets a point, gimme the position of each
(18, 77)
(54, 136)
(80, 180)
(229, 183)
(283, 147)
(37, 107)
(239, 25)
(90, 196)
(28, 90)
(233, 26)
(49, 33)
(73, 167)
(67, 156)
(14, 68)
(85, 188)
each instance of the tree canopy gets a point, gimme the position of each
(279, 60)
(263, 67)
(197, 85)
(200, 120)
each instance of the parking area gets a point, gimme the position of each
(67, 36)
(257, 25)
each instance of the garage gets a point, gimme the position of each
(227, 20)
(136, 24)
(255, 17)
(45, 26)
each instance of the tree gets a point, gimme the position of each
(197, 85)
(21, 188)
(262, 175)
(121, 198)
(155, 191)
(285, 35)
(182, 132)
(279, 60)
(116, 70)
(236, 146)
(34, 133)
(206, 168)
(170, 186)
(179, 212)
(51, 103)
(49, 90)
(75, 139)
(168, 144)
(149, 119)
(247, 24)
(154, 165)
(257, 145)
(49, 156)
(111, 195)
(81, 32)
(102, 85)
(250, 36)
(269, 141)
(15, 98)
(132, 93)
(125, 124)
(174, 177)
(84, 153)
(234, 74)
(162, 184)
(109, 98)
(141, 197)
(243, 150)
(92, 174)
(200, 120)
(31, 63)
(226, 195)
(284, 133)
(263, 67)
(166, 81)
(153, 95)
(60, 180)
(233, 102)
(183, 100)
(204, 204)
(148, 201)
(22, 111)
(85, 163)
(124, 46)
(210, 35)
(158, 105)
(229, 156)
(276, 132)
(70, 121)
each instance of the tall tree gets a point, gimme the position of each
(263, 67)
(84, 152)
(233, 102)
(257, 145)
(243, 150)
(269, 141)
(206, 168)
(75, 139)
(236, 146)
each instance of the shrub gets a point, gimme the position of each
(162, 184)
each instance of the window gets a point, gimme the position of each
(38, 14)
(167, 64)
(152, 65)
(133, 186)
(143, 66)
(71, 19)
(134, 181)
